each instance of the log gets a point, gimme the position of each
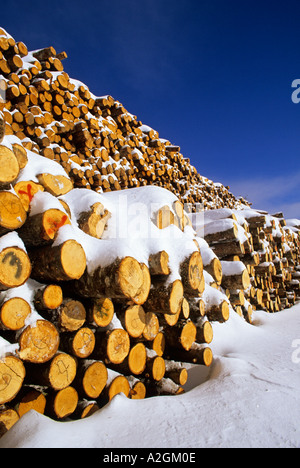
(30, 399)
(191, 272)
(26, 191)
(225, 249)
(165, 298)
(214, 268)
(235, 276)
(12, 212)
(164, 218)
(91, 378)
(21, 155)
(42, 229)
(164, 387)
(218, 312)
(141, 297)
(159, 264)
(94, 221)
(61, 404)
(112, 346)
(48, 297)
(138, 389)
(80, 343)
(117, 384)
(9, 167)
(15, 268)
(159, 344)
(101, 312)
(13, 313)
(133, 320)
(151, 330)
(85, 409)
(38, 343)
(197, 354)
(8, 418)
(204, 332)
(220, 231)
(123, 279)
(12, 375)
(70, 316)
(185, 308)
(155, 366)
(56, 185)
(182, 335)
(135, 362)
(57, 263)
(176, 372)
(58, 373)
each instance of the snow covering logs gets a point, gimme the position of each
(98, 142)
(105, 290)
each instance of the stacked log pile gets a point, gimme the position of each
(81, 322)
(98, 142)
(258, 255)
(95, 300)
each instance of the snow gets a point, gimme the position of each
(248, 398)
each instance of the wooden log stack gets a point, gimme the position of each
(98, 142)
(76, 328)
(258, 255)
(75, 337)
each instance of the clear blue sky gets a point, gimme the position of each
(212, 76)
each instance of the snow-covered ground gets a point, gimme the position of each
(250, 397)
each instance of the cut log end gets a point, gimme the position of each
(56, 185)
(12, 375)
(72, 315)
(188, 335)
(70, 251)
(101, 312)
(94, 379)
(49, 297)
(8, 418)
(62, 371)
(119, 385)
(14, 312)
(15, 267)
(130, 277)
(118, 346)
(26, 191)
(137, 359)
(39, 343)
(32, 400)
(135, 320)
(12, 212)
(9, 167)
(83, 343)
(64, 403)
(138, 391)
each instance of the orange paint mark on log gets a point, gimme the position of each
(55, 225)
(28, 193)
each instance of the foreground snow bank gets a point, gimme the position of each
(248, 398)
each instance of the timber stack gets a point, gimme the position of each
(98, 297)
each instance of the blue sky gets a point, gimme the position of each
(212, 76)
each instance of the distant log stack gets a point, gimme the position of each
(75, 331)
(259, 257)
